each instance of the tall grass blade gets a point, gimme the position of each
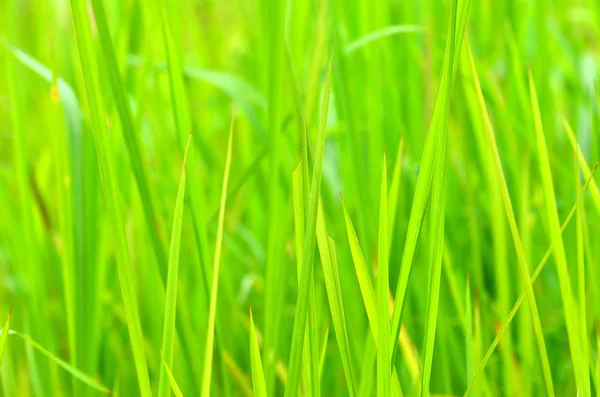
(258, 376)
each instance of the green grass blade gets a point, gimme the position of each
(111, 194)
(394, 193)
(301, 312)
(88, 380)
(258, 376)
(168, 340)
(208, 352)
(362, 274)
(569, 307)
(381, 34)
(383, 305)
(172, 381)
(334, 296)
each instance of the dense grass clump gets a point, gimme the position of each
(283, 198)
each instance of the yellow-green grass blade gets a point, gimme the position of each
(569, 307)
(498, 174)
(301, 311)
(87, 379)
(258, 376)
(334, 296)
(580, 235)
(4, 336)
(394, 192)
(107, 171)
(362, 274)
(168, 339)
(383, 306)
(208, 352)
(172, 381)
(426, 167)
(517, 305)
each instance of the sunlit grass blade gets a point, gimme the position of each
(517, 305)
(168, 340)
(383, 306)
(208, 352)
(107, 171)
(394, 193)
(87, 379)
(381, 34)
(334, 295)
(498, 174)
(258, 376)
(569, 307)
(172, 381)
(301, 311)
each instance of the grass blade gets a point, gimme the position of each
(381, 34)
(208, 352)
(168, 341)
(4, 337)
(383, 308)
(174, 386)
(258, 376)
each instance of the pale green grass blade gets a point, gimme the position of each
(168, 339)
(4, 337)
(172, 381)
(517, 305)
(469, 339)
(383, 305)
(362, 274)
(301, 311)
(498, 174)
(258, 376)
(111, 194)
(208, 352)
(569, 308)
(88, 380)
(381, 34)
(334, 296)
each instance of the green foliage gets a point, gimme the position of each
(446, 147)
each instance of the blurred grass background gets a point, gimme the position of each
(174, 67)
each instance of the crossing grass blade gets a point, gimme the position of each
(107, 171)
(208, 352)
(569, 308)
(174, 386)
(168, 340)
(381, 34)
(258, 376)
(301, 311)
(498, 174)
(517, 305)
(87, 379)
(383, 316)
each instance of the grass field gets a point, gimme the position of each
(297, 197)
